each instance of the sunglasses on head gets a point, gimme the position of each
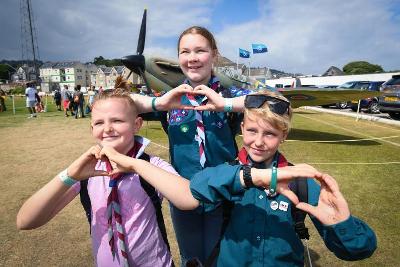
(276, 105)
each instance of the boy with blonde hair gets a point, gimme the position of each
(260, 230)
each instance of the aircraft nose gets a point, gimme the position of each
(134, 63)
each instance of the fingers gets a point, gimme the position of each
(204, 107)
(290, 195)
(310, 209)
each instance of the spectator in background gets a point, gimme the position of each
(30, 93)
(57, 99)
(91, 94)
(2, 101)
(39, 105)
(65, 96)
(78, 102)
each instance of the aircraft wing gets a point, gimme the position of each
(304, 96)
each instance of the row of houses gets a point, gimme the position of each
(55, 75)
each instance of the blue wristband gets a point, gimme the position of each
(153, 104)
(67, 180)
(228, 105)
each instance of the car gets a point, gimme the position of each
(389, 102)
(370, 103)
(349, 85)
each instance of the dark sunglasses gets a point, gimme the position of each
(276, 105)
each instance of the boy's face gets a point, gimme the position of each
(114, 123)
(260, 139)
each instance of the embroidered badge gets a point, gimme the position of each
(177, 115)
(283, 205)
(184, 128)
(274, 205)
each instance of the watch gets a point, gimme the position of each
(248, 180)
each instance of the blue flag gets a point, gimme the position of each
(259, 48)
(244, 53)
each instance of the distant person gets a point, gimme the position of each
(259, 186)
(66, 98)
(39, 103)
(57, 99)
(133, 230)
(78, 102)
(91, 97)
(2, 101)
(30, 93)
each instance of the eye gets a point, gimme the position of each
(97, 123)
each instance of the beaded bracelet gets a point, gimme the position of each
(66, 179)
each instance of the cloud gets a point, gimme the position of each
(309, 36)
(302, 36)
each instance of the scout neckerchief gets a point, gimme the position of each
(199, 101)
(113, 205)
(243, 158)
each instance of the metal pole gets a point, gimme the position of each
(13, 102)
(33, 45)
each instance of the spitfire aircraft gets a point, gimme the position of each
(162, 75)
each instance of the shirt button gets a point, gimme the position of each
(258, 238)
(260, 197)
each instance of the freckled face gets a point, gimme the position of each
(114, 123)
(196, 58)
(260, 139)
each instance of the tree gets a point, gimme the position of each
(5, 72)
(361, 67)
(107, 62)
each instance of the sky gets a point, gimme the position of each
(305, 36)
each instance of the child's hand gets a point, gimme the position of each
(84, 167)
(332, 207)
(120, 162)
(172, 99)
(285, 175)
(215, 101)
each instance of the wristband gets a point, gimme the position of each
(67, 180)
(153, 104)
(228, 105)
(247, 179)
(274, 180)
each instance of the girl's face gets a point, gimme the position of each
(114, 124)
(260, 139)
(196, 58)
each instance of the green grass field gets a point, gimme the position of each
(363, 156)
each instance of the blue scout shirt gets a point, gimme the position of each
(219, 145)
(261, 232)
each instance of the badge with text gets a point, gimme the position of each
(283, 205)
(274, 205)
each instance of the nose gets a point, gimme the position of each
(193, 56)
(108, 128)
(259, 140)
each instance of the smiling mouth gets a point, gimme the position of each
(109, 137)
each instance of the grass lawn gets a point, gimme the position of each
(363, 156)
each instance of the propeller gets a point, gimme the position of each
(137, 63)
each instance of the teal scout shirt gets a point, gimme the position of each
(261, 232)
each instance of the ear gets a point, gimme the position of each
(285, 134)
(138, 124)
